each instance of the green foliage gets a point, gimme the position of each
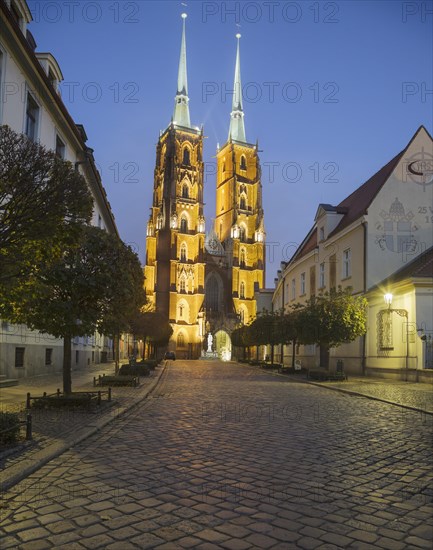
(85, 290)
(152, 326)
(44, 203)
(242, 337)
(9, 428)
(332, 318)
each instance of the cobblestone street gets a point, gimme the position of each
(229, 456)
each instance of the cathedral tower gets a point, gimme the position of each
(175, 267)
(239, 223)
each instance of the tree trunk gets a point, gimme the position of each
(324, 356)
(293, 353)
(116, 341)
(272, 354)
(67, 350)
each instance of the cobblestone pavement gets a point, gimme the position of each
(419, 396)
(228, 456)
(52, 428)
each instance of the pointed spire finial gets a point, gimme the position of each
(237, 126)
(181, 109)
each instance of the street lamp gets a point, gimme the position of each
(388, 299)
(402, 313)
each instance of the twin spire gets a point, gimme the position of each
(181, 109)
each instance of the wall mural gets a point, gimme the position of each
(398, 230)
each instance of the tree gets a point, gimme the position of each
(44, 203)
(152, 327)
(331, 319)
(85, 290)
(271, 328)
(242, 337)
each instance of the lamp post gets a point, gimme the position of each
(402, 313)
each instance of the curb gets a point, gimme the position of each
(351, 392)
(21, 471)
(372, 397)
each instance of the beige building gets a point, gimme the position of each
(377, 241)
(30, 103)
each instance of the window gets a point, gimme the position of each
(322, 275)
(322, 234)
(185, 191)
(243, 165)
(243, 203)
(242, 258)
(93, 356)
(183, 252)
(302, 284)
(183, 225)
(186, 156)
(32, 114)
(19, 357)
(48, 356)
(182, 286)
(181, 340)
(242, 316)
(347, 268)
(181, 311)
(212, 294)
(242, 290)
(293, 289)
(242, 235)
(60, 148)
(99, 221)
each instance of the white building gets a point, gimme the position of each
(378, 241)
(30, 103)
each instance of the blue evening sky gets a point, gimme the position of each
(332, 91)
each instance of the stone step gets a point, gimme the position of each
(5, 382)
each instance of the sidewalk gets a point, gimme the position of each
(415, 396)
(55, 431)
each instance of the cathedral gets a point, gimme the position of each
(204, 283)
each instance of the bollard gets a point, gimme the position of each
(99, 397)
(94, 381)
(109, 393)
(28, 401)
(29, 426)
(58, 392)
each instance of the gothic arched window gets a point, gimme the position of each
(181, 311)
(242, 257)
(186, 156)
(242, 290)
(185, 191)
(183, 225)
(242, 234)
(182, 285)
(183, 252)
(212, 294)
(243, 203)
(180, 340)
(243, 164)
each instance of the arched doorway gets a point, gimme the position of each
(223, 345)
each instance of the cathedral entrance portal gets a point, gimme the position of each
(223, 345)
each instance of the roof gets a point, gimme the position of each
(357, 203)
(420, 267)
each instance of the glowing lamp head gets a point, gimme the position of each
(388, 299)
